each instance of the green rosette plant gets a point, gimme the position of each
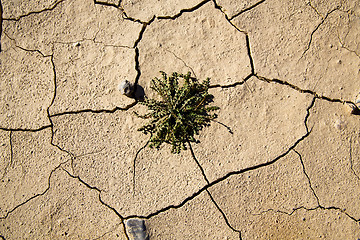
(181, 113)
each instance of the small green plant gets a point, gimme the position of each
(180, 113)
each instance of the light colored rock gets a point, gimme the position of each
(126, 88)
(136, 229)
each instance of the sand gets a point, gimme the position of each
(280, 162)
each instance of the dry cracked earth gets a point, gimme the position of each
(280, 162)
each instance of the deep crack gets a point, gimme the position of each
(108, 4)
(213, 183)
(35, 12)
(208, 192)
(247, 40)
(184, 11)
(141, 33)
(322, 97)
(25, 129)
(94, 111)
(1, 21)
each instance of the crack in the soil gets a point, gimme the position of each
(208, 192)
(316, 28)
(145, 25)
(211, 184)
(223, 215)
(247, 39)
(51, 126)
(115, 108)
(126, 17)
(134, 163)
(137, 68)
(106, 233)
(137, 56)
(226, 176)
(36, 195)
(108, 4)
(10, 163)
(249, 52)
(94, 111)
(314, 8)
(307, 176)
(100, 200)
(347, 48)
(1, 21)
(49, 116)
(342, 42)
(308, 209)
(179, 58)
(233, 84)
(124, 14)
(247, 9)
(197, 163)
(319, 206)
(322, 97)
(351, 160)
(25, 129)
(192, 9)
(51, 60)
(35, 12)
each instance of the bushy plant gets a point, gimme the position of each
(181, 112)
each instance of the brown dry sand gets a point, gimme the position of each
(282, 161)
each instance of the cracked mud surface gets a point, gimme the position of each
(280, 162)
